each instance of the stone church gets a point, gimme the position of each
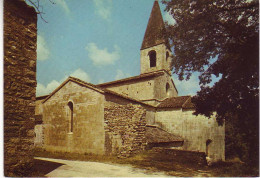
(127, 116)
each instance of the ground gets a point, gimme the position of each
(144, 163)
(69, 168)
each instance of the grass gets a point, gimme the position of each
(156, 163)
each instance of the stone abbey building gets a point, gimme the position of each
(126, 116)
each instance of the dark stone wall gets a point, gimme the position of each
(20, 43)
(181, 156)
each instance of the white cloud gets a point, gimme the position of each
(120, 74)
(42, 49)
(168, 18)
(101, 81)
(189, 87)
(45, 90)
(63, 5)
(103, 8)
(80, 74)
(101, 57)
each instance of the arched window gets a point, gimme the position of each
(167, 55)
(208, 142)
(70, 104)
(152, 57)
(167, 89)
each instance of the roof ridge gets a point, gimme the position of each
(149, 74)
(94, 87)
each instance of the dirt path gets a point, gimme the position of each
(95, 169)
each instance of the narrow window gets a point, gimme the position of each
(152, 57)
(70, 104)
(207, 146)
(167, 89)
(167, 55)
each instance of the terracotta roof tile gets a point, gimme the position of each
(177, 102)
(188, 104)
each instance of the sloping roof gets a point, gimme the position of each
(138, 77)
(155, 31)
(41, 97)
(80, 82)
(188, 104)
(155, 134)
(94, 87)
(177, 102)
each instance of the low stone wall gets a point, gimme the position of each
(124, 130)
(182, 156)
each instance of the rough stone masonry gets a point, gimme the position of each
(20, 41)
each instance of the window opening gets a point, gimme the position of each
(167, 55)
(152, 56)
(208, 142)
(167, 89)
(70, 104)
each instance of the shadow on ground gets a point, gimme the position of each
(41, 167)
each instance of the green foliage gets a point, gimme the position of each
(227, 30)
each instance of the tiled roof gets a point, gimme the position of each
(177, 102)
(188, 104)
(142, 76)
(155, 31)
(155, 134)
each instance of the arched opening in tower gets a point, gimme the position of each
(152, 57)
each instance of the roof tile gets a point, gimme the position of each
(177, 102)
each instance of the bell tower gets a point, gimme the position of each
(155, 50)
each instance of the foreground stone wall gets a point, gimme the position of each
(20, 39)
(88, 134)
(124, 129)
(196, 131)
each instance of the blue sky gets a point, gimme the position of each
(94, 40)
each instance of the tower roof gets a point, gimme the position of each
(155, 31)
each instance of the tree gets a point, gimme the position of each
(38, 7)
(228, 31)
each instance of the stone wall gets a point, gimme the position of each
(147, 89)
(139, 89)
(124, 130)
(88, 134)
(20, 40)
(181, 156)
(195, 130)
(160, 90)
